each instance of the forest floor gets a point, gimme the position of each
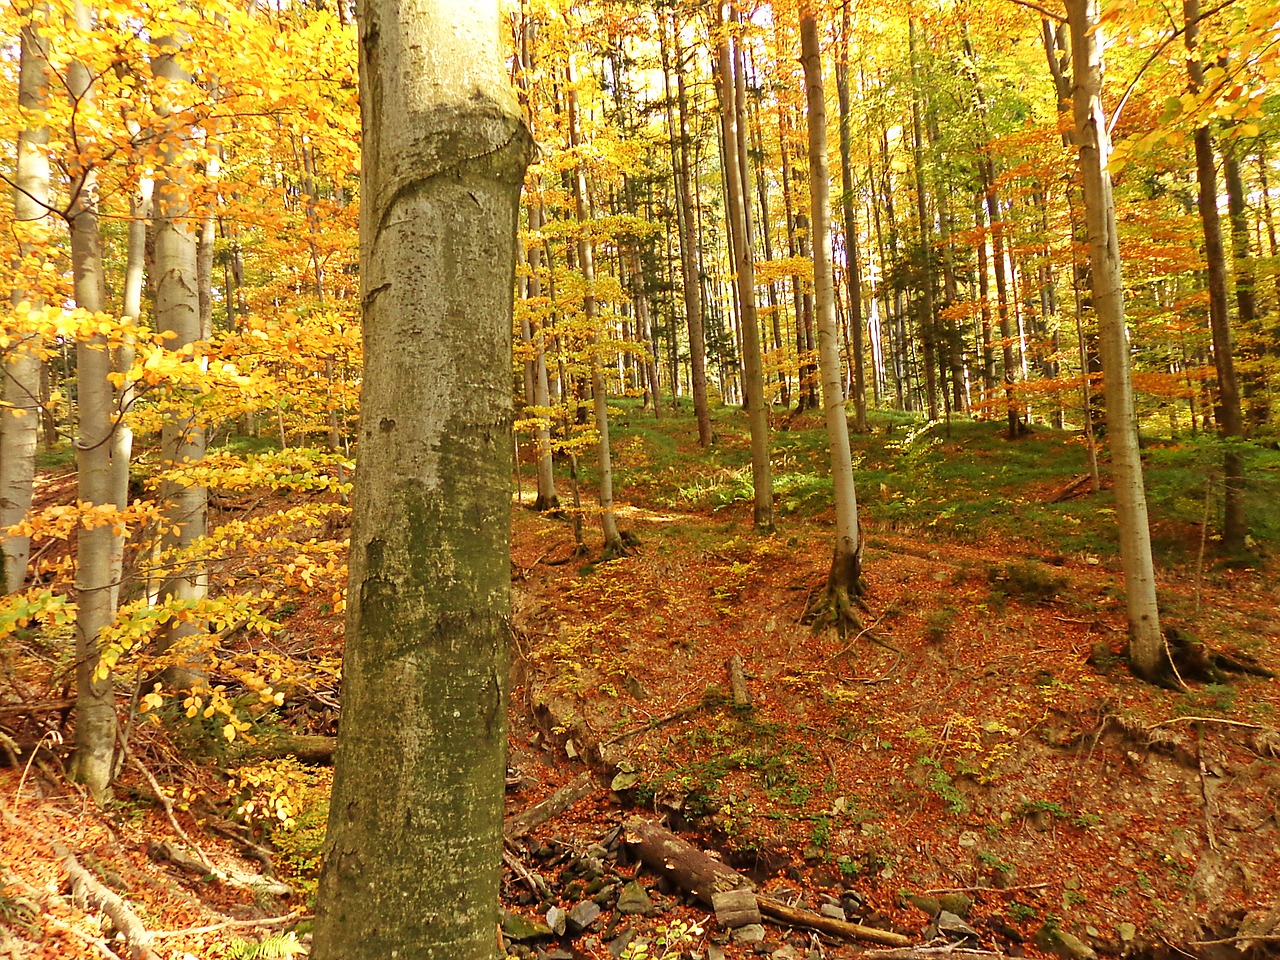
(986, 761)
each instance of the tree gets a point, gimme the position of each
(1146, 644)
(20, 364)
(412, 867)
(744, 265)
(845, 579)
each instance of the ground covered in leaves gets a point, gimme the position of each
(977, 768)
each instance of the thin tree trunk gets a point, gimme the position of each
(1146, 644)
(845, 577)
(928, 313)
(20, 406)
(853, 266)
(613, 546)
(95, 701)
(744, 265)
(1230, 418)
(691, 284)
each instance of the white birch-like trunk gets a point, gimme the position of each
(95, 581)
(845, 568)
(177, 310)
(1146, 645)
(413, 855)
(20, 364)
(547, 499)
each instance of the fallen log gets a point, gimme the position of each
(738, 682)
(682, 863)
(560, 801)
(307, 748)
(704, 877)
(1070, 490)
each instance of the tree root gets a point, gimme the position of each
(85, 887)
(837, 608)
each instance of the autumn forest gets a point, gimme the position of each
(877, 437)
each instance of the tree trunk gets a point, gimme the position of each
(846, 574)
(1230, 418)
(1255, 382)
(177, 311)
(744, 266)
(95, 593)
(20, 406)
(1146, 645)
(928, 313)
(853, 266)
(691, 284)
(412, 868)
(613, 545)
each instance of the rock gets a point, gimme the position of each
(969, 840)
(624, 781)
(582, 916)
(556, 919)
(958, 903)
(620, 943)
(1126, 931)
(751, 933)
(634, 898)
(786, 952)
(953, 928)
(929, 905)
(1056, 941)
(715, 952)
(832, 911)
(556, 954)
(813, 852)
(517, 927)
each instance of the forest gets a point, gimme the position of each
(803, 473)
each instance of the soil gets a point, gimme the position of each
(987, 753)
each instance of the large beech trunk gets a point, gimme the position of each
(1146, 645)
(414, 848)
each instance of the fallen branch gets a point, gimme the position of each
(951, 952)
(164, 802)
(29, 709)
(85, 887)
(233, 924)
(738, 682)
(554, 805)
(823, 924)
(1221, 720)
(1071, 489)
(539, 886)
(703, 877)
(655, 723)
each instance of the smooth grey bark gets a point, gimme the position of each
(744, 267)
(1146, 644)
(928, 308)
(413, 858)
(122, 362)
(20, 366)
(182, 440)
(613, 545)
(548, 498)
(844, 580)
(92, 764)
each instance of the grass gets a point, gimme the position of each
(967, 483)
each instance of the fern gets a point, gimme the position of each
(284, 946)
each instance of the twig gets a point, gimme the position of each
(1222, 720)
(232, 924)
(1239, 938)
(1204, 790)
(655, 723)
(96, 942)
(539, 886)
(168, 807)
(54, 737)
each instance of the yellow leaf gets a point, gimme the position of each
(229, 731)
